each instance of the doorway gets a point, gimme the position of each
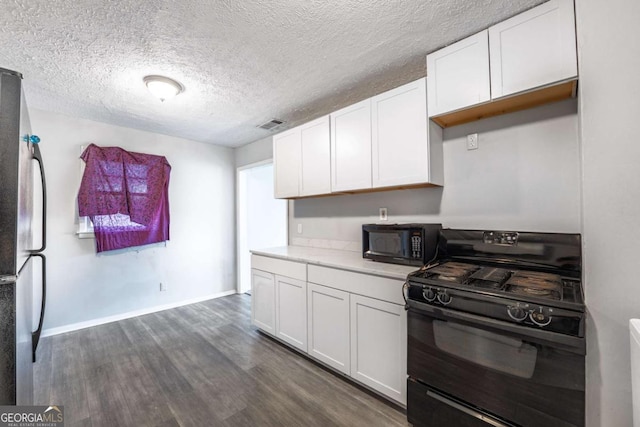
(262, 219)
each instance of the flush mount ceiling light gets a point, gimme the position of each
(163, 87)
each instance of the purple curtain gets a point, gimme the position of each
(126, 195)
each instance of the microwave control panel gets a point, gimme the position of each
(416, 245)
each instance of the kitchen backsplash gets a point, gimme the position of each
(344, 245)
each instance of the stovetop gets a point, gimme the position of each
(531, 279)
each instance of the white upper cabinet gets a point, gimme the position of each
(302, 161)
(400, 136)
(315, 167)
(535, 48)
(286, 167)
(459, 75)
(523, 62)
(351, 147)
(382, 142)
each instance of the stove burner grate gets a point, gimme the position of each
(452, 272)
(536, 284)
(489, 278)
(524, 285)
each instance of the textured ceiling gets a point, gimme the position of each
(242, 62)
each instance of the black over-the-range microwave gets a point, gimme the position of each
(409, 244)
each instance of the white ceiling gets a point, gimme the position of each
(242, 62)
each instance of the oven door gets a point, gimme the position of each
(523, 376)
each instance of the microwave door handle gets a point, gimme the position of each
(37, 156)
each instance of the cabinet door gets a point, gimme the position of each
(291, 311)
(351, 147)
(400, 144)
(379, 346)
(286, 164)
(459, 75)
(316, 158)
(328, 325)
(535, 48)
(263, 291)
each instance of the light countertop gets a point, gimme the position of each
(335, 258)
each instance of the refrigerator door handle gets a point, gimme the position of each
(35, 336)
(38, 157)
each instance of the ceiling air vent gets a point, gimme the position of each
(271, 124)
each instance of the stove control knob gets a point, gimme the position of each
(540, 317)
(429, 294)
(444, 298)
(517, 312)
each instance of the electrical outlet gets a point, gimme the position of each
(163, 287)
(299, 228)
(472, 141)
(383, 214)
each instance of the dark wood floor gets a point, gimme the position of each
(198, 365)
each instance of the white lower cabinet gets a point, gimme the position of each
(379, 346)
(277, 284)
(328, 326)
(323, 312)
(291, 311)
(263, 291)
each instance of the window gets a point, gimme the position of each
(123, 197)
(85, 226)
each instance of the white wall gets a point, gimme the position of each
(199, 260)
(609, 64)
(254, 152)
(525, 176)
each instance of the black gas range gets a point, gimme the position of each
(496, 331)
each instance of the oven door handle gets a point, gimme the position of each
(575, 343)
(489, 420)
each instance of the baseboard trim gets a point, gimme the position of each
(109, 319)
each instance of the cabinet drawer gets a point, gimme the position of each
(381, 288)
(296, 270)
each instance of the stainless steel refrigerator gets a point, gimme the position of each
(21, 258)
